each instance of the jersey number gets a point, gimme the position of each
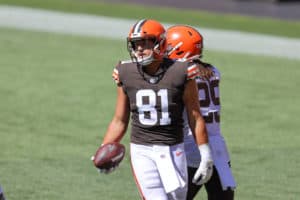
(210, 95)
(146, 101)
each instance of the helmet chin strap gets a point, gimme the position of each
(144, 60)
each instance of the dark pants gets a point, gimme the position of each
(213, 187)
(2, 196)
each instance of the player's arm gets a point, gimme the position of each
(117, 127)
(197, 125)
(119, 123)
(196, 121)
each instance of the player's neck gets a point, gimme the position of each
(153, 67)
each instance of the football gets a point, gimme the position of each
(109, 155)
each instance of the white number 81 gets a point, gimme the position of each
(150, 107)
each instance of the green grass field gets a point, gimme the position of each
(57, 97)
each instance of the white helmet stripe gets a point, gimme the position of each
(138, 26)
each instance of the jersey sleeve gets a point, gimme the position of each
(192, 71)
(116, 76)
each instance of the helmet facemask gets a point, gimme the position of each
(134, 54)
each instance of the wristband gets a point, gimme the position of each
(205, 152)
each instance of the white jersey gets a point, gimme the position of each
(210, 109)
(209, 98)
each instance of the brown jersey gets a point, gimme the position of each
(156, 102)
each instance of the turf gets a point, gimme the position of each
(56, 100)
(57, 97)
(192, 17)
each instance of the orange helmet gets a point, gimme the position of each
(147, 29)
(184, 42)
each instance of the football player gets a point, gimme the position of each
(186, 43)
(154, 90)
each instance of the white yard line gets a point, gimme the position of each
(97, 26)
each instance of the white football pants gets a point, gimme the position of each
(160, 171)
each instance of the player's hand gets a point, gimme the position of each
(205, 170)
(104, 170)
(107, 171)
(205, 72)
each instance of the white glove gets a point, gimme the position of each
(205, 169)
